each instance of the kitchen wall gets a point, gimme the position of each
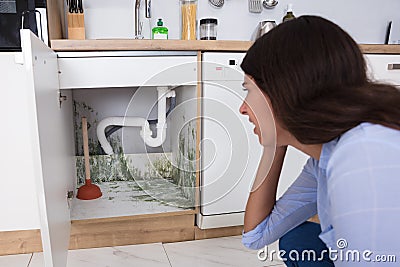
(365, 20)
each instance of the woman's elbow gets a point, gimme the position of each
(253, 245)
(257, 242)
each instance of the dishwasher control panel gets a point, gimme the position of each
(222, 66)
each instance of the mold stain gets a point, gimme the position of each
(184, 170)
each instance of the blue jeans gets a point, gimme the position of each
(304, 237)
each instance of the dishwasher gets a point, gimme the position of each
(230, 151)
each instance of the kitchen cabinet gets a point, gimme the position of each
(49, 85)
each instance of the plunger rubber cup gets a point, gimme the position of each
(88, 191)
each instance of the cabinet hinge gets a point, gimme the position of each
(61, 98)
(70, 196)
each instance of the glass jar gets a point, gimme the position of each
(188, 19)
(208, 29)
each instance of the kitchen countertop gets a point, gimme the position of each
(132, 44)
(182, 45)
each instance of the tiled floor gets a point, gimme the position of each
(216, 252)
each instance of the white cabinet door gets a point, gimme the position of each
(52, 149)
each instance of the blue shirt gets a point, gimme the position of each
(355, 189)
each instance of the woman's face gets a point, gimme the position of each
(257, 107)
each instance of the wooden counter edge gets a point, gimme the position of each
(380, 49)
(148, 45)
(182, 45)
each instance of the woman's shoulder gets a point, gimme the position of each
(369, 132)
(364, 144)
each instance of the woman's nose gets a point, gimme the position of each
(243, 109)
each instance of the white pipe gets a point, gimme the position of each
(145, 133)
(120, 121)
(162, 106)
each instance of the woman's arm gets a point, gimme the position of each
(274, 219)
(262, 200)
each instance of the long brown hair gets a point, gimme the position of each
(315, 76)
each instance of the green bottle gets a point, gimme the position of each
(289, 13)
(160, 32)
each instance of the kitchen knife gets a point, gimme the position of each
(70, 6)
(80, 6)
(73, 7)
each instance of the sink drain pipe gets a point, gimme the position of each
(145, 133)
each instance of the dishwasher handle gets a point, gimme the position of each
(394, 66)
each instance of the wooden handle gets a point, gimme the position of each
(86, 148)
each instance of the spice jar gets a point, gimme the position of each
(188, 19)
(208, 29)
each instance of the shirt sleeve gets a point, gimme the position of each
(295, 206)
(363, 189)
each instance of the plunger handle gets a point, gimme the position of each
(86, 150)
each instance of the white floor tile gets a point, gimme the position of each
(20, 260)
(152, 255)
(216, 252)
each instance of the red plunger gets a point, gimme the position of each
(88, 190)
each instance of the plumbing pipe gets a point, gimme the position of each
(163, 94)
(162, 106)
(120, 121)
(145, 133)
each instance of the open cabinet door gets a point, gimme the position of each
(52, 146)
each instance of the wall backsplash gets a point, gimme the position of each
(115, 19)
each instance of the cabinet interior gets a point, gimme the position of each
(136, 179)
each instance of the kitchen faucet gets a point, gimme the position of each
(138, 24)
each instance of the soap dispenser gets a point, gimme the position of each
(160, 32)
(289, 13)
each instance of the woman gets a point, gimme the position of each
(312, 76)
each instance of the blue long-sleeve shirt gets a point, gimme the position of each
(355, 189)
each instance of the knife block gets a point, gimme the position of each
(76, 26)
